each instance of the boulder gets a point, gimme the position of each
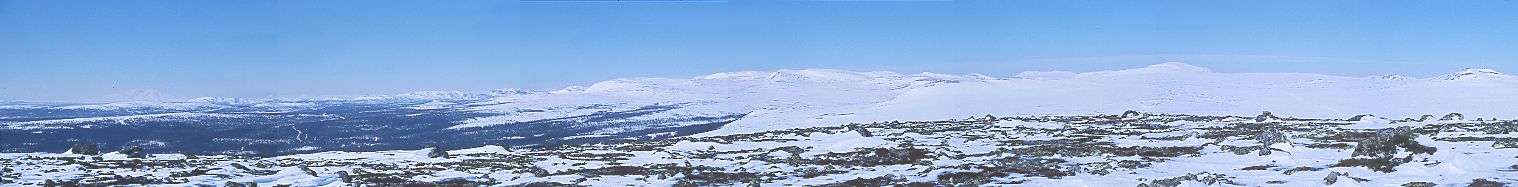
(1264, 116)
(1269, 137)
(1130, 114)
(308, 170)
(1453, 117)
(1333, 177)
(437, 152)
(1485, 183)
(862, 131)
(344, 175)
(85, 149)
(133, 152)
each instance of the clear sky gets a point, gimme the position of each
(74, 50)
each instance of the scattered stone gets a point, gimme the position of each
(1380, 152)
(921, 145)
(236, 184)
(1203, 177)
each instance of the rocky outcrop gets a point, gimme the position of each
(1382, 151)
(1269, 137)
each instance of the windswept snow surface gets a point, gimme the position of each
(1154, 150)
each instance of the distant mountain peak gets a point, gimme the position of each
(144, 95)
(825, 75)
(798, 75)
(1393, 77)
(1178, 66)
(1477, 74)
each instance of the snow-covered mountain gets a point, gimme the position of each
(739, 102)
(1172, 88)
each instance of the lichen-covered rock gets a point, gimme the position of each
(1504, 143)
(1419, 184)
(1381, 152)
(1386, 142)
(1485, 183)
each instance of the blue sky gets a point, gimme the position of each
(74, 50)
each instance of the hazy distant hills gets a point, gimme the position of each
(725, 103)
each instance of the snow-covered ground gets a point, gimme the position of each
(1099, 150)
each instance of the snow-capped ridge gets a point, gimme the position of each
(1393, 77)
(1168, 68)
(1046, 75)
(1177, 67)
(800, 75)
(1478, 74)
(514, 91)
(826, 75)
